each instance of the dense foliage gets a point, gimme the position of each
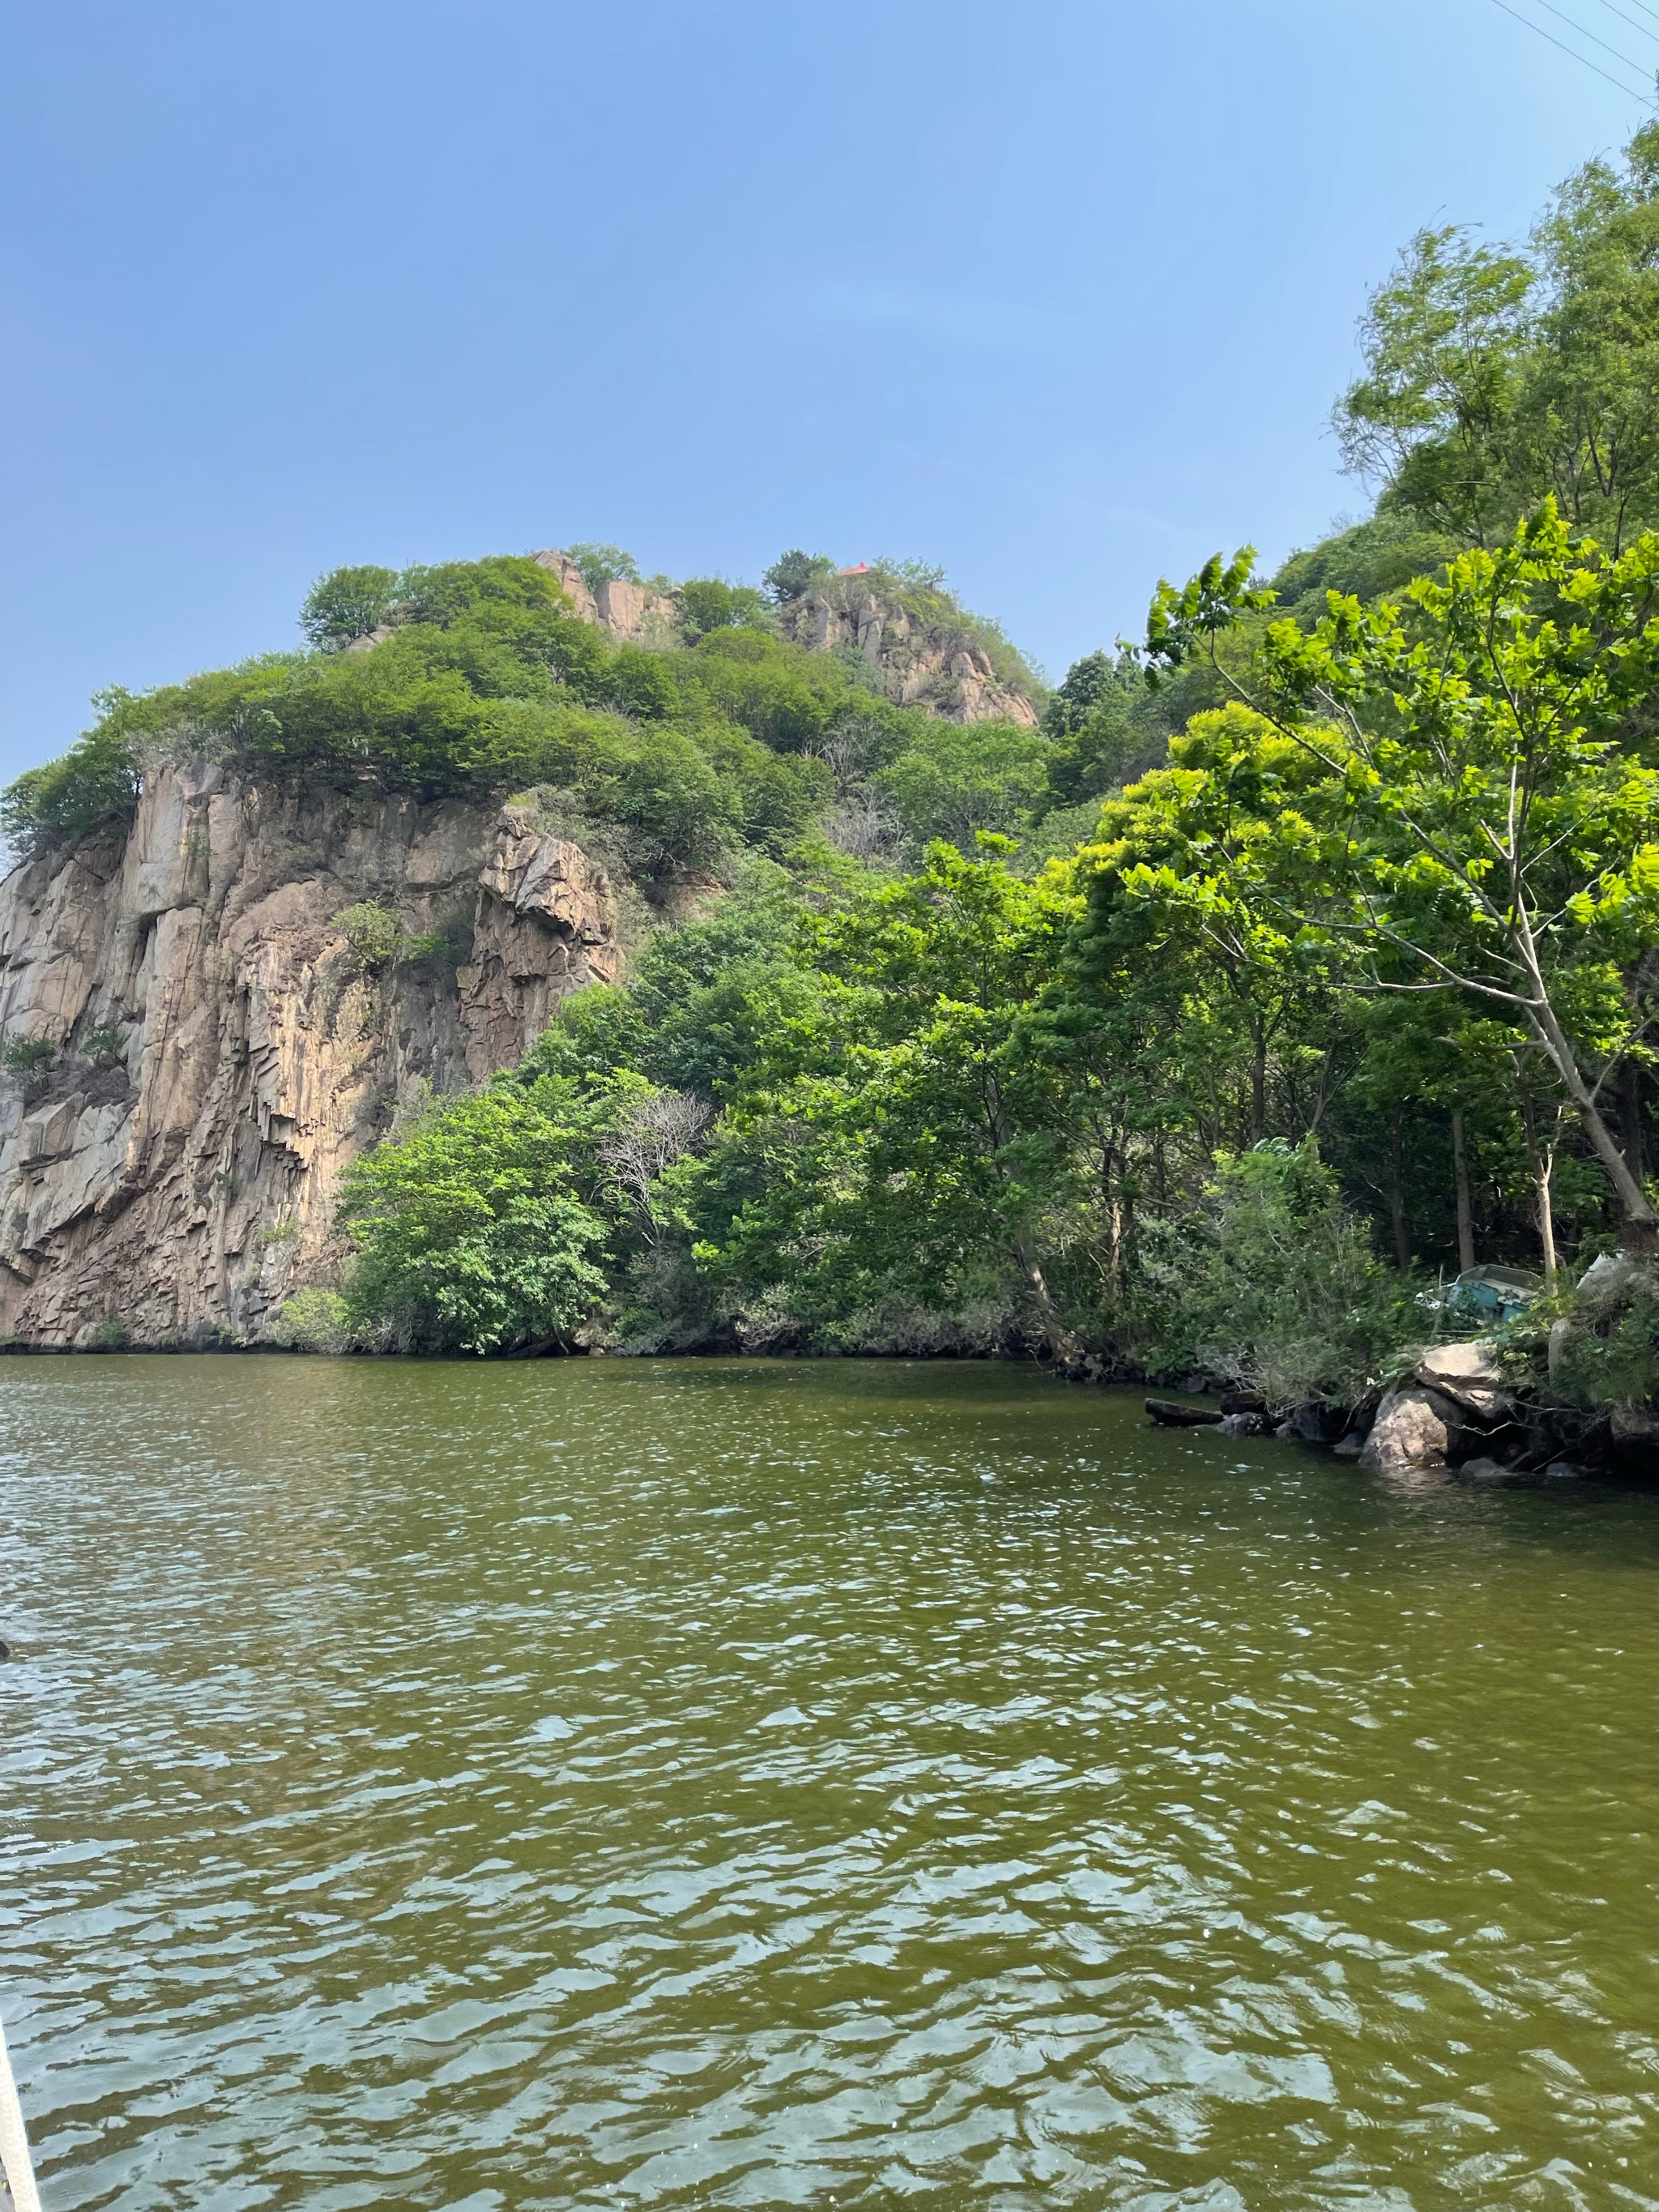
(478, 678)
(1495, 375)
(1305, 956)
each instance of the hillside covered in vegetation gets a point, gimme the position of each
(1207, 1015)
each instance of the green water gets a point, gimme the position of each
(723, 1783)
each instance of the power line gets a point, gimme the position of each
(1643, 5)
(1606, 76)
(1573, 24)
(1631, 20)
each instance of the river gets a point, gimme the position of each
(742, 1784)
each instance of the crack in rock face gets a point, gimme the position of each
(222, 1053)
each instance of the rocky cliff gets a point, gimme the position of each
(226, 1035)
(206, 1017)
(937, 662)
(631, 612)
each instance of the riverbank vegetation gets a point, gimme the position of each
(1297, 962)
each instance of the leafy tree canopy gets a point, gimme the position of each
(602, 564)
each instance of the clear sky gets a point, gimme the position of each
(1057, 294)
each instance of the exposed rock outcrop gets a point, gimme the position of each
(222, 1052)
(1469, 1375)
(934, 663)
(937, 664)
(1415, 1427)
(632, 612)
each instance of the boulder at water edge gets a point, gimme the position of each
(1415, 1427)
(1469, 1375)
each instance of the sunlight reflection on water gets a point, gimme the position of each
(695, 1784)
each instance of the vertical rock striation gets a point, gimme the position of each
(937, 664)
(222, 1053)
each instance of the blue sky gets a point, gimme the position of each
(1057, 295)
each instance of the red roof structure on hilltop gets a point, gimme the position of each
(862, 569)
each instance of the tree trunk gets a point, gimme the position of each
(1630, 1117)
(1465, 1210)
(1114, 1245)
(1641, 1224)
(1541, 1162)
(1063, 1343)
(1545, 1222)
(1258, 1087)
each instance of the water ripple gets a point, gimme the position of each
(590, 1783)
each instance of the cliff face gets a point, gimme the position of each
(220, 1037)
(938, 665)
(223, 1052)
(629, 611)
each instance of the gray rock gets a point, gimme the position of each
(1467, 1374)
(1635, 1425)
(190, 1192)
(1565, 1470)
(1606, 1273)
(1415, 1427)
(1490, 1471)
(1243, 1424)
(1351, 1446)
(1312, 1425)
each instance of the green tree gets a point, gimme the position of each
(347, 603)
(1446, 341)
(602, 564)
(792, 575)
(1199, 850)
(471, 1232)
(1475, 826)
(1589, 416)
(710, 603)
(884, 1145)
(1103, 726)
(1494, 377)
(958, 778)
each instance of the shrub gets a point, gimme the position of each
(960, 778)
(373, 932)
(103, 1045)
(710, 603)
(1272, 1283)
(1593, 1349)
(448, 945)
(1612, 1357)
(642, 683)
(314, 1320)
(471, 1236)
(786, 696)
(26, 1060)
(675, 810)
